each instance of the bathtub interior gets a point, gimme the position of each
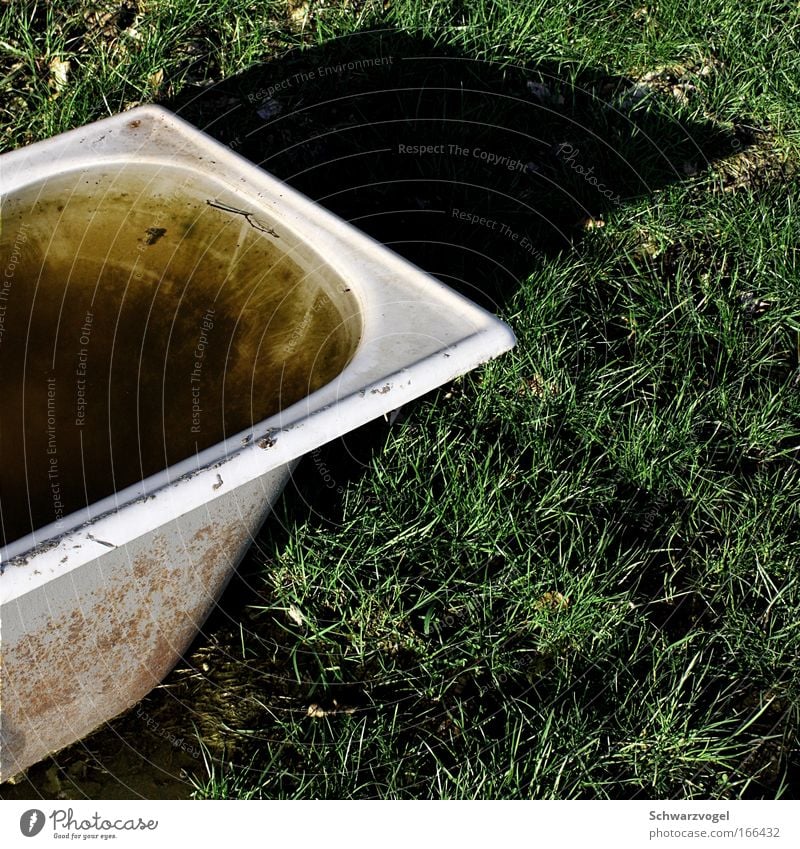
(147, 316)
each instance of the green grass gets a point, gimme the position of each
(573, 573)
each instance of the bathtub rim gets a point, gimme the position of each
(364, 390)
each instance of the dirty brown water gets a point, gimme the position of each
(146, 318)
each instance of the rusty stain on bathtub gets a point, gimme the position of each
(159, 610)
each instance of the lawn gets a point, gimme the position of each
(574, 572)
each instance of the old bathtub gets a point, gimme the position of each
(177, 328)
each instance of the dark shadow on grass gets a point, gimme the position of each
(474, 171)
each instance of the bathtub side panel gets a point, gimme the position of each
(87, 646)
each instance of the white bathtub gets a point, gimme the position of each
(137, 244)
